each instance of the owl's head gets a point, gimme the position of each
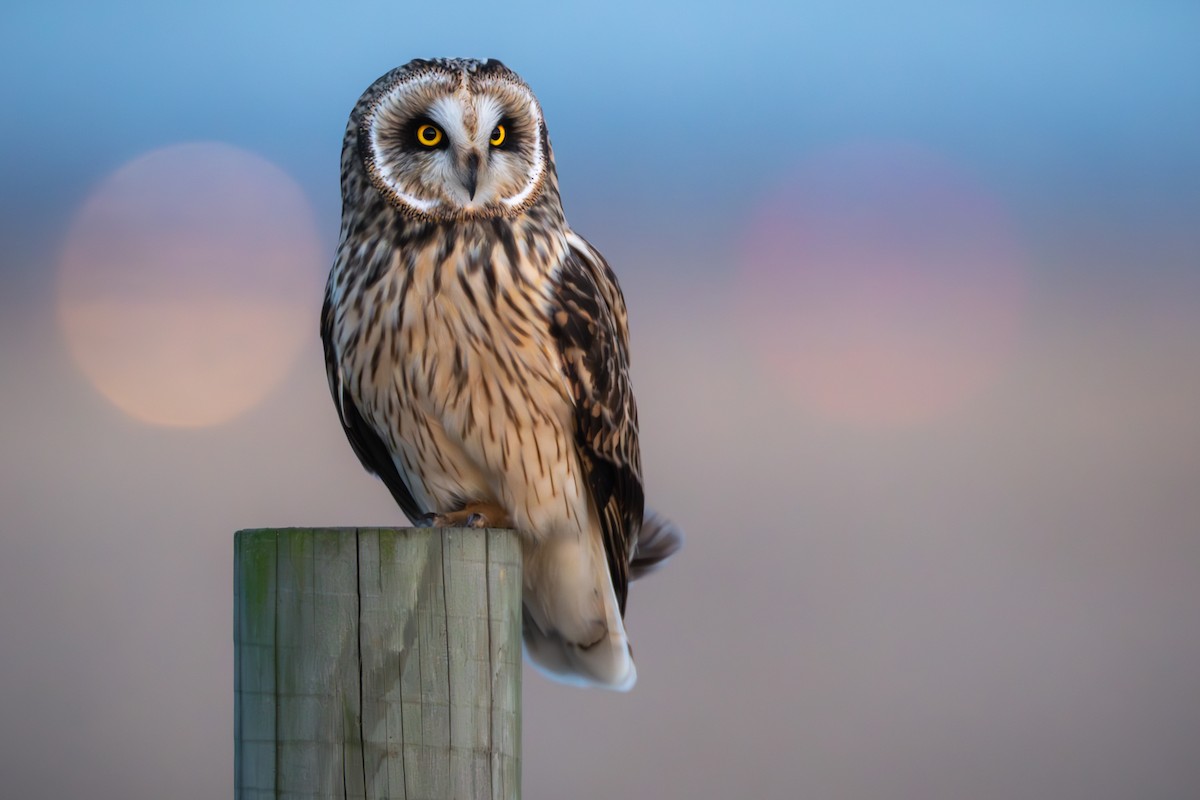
(452, 139)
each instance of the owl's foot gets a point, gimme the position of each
(473, 515)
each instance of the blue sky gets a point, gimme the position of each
(1041, 97)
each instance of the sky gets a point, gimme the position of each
(915, 308)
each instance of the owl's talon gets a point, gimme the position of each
(455, 519)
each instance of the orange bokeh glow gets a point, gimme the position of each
(189, 283)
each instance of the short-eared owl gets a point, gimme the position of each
(478, 352)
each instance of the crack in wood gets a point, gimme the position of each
(298, 644)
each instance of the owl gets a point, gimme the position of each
(477, 351)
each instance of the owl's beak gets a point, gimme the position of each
(471, 174)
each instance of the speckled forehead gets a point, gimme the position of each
(482, 99)
(453, 97)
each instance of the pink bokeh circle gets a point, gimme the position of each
(880, 285)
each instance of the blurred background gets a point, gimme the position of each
(915, 298)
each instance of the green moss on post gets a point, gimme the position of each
(377, 663)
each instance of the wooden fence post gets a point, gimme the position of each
(377, 663)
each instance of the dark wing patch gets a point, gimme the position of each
(367, 444)
(588, 321)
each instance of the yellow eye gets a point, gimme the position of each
(429, 135)
(497, 136)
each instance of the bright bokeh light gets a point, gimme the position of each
(881, 286)
(189, 283)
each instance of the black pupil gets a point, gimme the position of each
(496, 134)
(428, 133)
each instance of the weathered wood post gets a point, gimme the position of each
(377, 663)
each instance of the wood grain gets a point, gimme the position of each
(377, 663)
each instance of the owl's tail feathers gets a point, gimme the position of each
(572, 625)
(659, 540)
(607, 664)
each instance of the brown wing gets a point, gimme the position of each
(372, 451)
(590, 325)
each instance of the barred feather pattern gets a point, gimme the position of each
(485, 360)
